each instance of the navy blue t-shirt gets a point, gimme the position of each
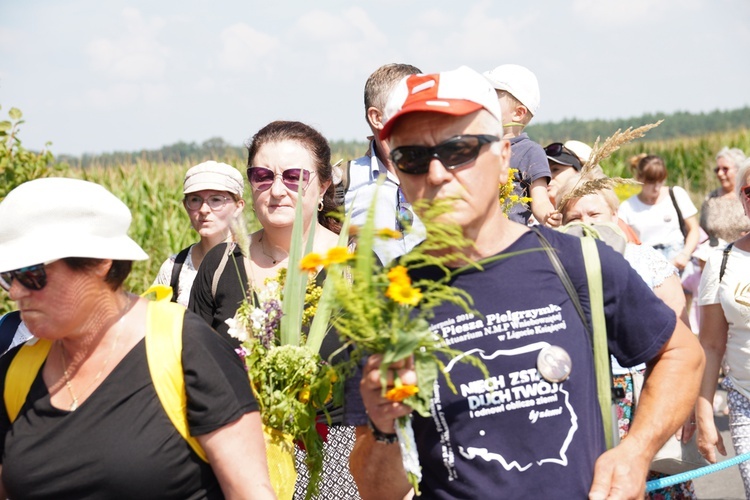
(530, 160)
(516, 435)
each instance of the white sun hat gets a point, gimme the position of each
(53, 218)
(519, 81)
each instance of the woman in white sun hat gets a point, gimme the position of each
(85, 405)
(213, 201)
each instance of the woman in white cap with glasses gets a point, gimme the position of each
(213, 201)
(87, 409)
(283, 157)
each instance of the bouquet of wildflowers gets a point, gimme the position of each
(281, 327)
(507, 198)
(381, 310)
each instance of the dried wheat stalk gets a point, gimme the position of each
(591, 181)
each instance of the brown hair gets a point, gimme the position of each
(648, 168)
(319, 150)
(115, 276)
(382, 81)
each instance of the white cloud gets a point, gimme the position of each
(349, 42)
(133, 55)
(243, 47)
(631, 13)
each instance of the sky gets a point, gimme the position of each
(94, 76)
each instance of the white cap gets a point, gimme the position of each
(518, 81)
(457, 92)
(580, 149)
(211, 175)
(54, 218)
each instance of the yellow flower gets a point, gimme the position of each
(311, 262)
(304, 395)
(404, 293)
(399, 275)
(337, 255)
(387, 232)
(398, 394)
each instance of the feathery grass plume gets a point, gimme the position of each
(613, 143)
(592, 181)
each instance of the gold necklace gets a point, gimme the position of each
(263, 249)
(69, 385)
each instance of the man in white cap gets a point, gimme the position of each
(527, 431)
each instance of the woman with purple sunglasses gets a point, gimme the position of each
(288, 163)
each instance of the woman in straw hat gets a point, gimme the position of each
(90, 421)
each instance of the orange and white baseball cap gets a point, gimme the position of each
(457, 92)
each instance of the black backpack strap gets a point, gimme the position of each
(178, 262)
(724, 258)
(8, 328)
(680, 219)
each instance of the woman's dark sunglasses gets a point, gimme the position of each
(262, 178)
(32, 277)
(556, 149)
(453, 153)
(746, 191)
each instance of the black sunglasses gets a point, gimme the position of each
(558, 148)
(453, 153)
(32, 277)
(746, 191)
(261, 178)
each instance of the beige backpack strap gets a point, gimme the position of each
(164, 354)
(21, 374)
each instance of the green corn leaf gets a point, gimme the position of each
(319, 326)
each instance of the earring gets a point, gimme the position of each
(320, 205)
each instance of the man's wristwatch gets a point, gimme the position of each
(381, 437)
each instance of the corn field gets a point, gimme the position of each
(153, 192)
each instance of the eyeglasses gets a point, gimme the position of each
(746, 191)
(723, 169)
(262, 178)
(214, 202)
(556, 149)
(453, 153)
(32, 277)
(404, 215)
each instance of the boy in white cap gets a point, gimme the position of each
(518, 92)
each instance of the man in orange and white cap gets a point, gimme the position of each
(533, 429)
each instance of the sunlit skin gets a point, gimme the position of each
(726, 173)
(214, 223)
(275, 206)
(589, 209)
(560, 175)
(651, 192)
(476, 209)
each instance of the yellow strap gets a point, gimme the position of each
(164, 354)
(22, 371)
(161, 292)
(602, 367)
